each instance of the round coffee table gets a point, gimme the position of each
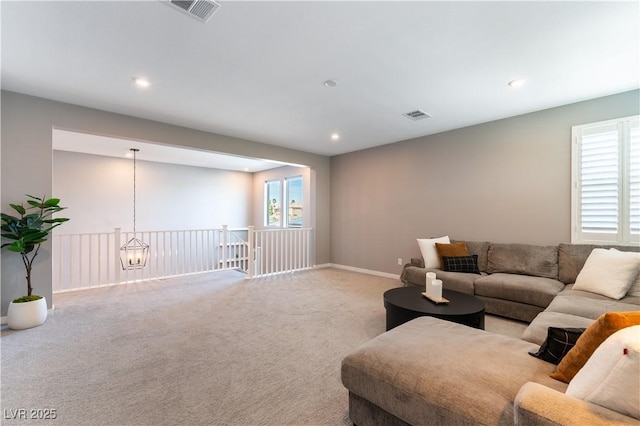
(406, 303)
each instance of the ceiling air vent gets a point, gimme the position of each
(199, 9)
(417, 114)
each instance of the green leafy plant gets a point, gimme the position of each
(29, 230)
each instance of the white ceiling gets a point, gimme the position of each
(256, 69)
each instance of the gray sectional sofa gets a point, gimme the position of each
(433, 372)
(519, 281)
(575, 308)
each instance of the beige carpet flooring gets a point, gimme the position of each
(209, 349)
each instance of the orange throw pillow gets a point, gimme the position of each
(603, 327)
(453, 249)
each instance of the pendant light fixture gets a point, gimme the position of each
(134, 254)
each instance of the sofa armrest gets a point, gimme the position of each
(540, 405)
(417, 262)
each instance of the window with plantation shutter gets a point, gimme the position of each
(634, 179)
(606, 182)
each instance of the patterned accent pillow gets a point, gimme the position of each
(468, 264)
(559, 342)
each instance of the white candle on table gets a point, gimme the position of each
(430, 277)
(436, 287)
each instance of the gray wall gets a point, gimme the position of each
(26, 160)
(503, 181)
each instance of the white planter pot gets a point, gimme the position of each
(27, 314)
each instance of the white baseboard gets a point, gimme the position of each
(324, 265)
(361, 270)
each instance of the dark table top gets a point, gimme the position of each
(410, 298)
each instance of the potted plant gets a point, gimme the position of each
(27, 232)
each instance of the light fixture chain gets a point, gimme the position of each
(134, 190)
(134, 194)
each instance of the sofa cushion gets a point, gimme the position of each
(608, 272)
(634, 291)
(518, 288)
(527, 259)
(593, 337)
(610, 376)
(458, 281)
(423, 383)
(588, 307)
(571, 258)
(510, 309)
(451, 249)
(569, 291)
(480, 248)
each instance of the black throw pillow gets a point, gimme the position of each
(467, 264)
(559, 342)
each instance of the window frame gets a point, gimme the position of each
(283, 185)
(267, 202)
(624, 235)
(287, 181)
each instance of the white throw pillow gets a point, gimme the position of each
(429, 252)
(610, 376)
(608, 272)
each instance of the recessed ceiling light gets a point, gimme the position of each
(128, 154)
(331, 83)
(141, 82)
(335, 136)
(516, 82)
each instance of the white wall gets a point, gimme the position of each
(98, 192)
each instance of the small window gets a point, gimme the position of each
(606, 182)
(289, 214)
(273, 203)
(294, 201)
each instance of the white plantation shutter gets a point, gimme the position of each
(606, 182)
(599, 174)
(634, 181)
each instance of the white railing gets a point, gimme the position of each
(236, 256)
(279, 250)
(82, 261)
